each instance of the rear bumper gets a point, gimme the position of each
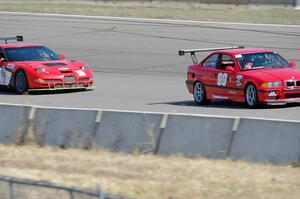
(189, 85)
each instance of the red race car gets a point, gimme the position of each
(28, 67)
(253, 76)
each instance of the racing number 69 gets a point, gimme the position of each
(222, 79)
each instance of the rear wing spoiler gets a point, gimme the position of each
(193, 51)
(16, 38)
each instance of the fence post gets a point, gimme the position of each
(101, 194)
(11, 190)
(71, 194)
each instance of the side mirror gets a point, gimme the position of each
(62, 56)
(1, 62)
(293, 64)
(229, 69)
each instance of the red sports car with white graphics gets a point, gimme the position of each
(28, 67)
(253, 76)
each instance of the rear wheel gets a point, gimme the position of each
(200, 94)
(251, 97)
(21, 82)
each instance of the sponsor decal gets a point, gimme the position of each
(63, 69)
(10, 66)
(222, 79)
(238, 56)
(233, 92)
(272, 94)
(219, 97)
(5, 76)
(80, 73)
(238, 81)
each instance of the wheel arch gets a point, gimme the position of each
(13, 78)
(27, 80)
(248, 83)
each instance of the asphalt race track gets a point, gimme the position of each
(136, 63)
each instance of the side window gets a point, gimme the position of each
(226, 60)
(1, 54)
(211, 62)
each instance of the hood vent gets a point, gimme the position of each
(56, 64)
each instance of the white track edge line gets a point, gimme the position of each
(147, 19)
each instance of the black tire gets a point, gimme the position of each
(21, 82)
(199, 94)
(251, 96)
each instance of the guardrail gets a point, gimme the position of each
(257, 140)
(13, 188)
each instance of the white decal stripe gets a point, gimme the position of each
(5, 76)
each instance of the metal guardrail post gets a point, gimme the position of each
(71, 194)
(297, 4)
(11, 190)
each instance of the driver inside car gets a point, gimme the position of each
(248, 63)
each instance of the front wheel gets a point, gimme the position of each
(200, 94)
(251, 96)
(21, 82)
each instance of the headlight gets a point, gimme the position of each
(41, 70)
(85, 67)
(271, 84)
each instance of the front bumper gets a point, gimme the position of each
(279, 96)
(66, 87)
(39, 86)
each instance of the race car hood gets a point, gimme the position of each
(55, 65)
(275, 74)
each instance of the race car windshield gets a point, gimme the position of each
(261, 60)
(31, 53)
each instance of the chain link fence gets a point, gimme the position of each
(13, 188)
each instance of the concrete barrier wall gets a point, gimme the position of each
(64, 127)
(257, 140)
(13, 123)
(128, 131)
(197, 135)
(267, 141)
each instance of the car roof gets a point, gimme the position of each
(244, 51)
(18, 45)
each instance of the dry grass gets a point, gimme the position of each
(147, 176)
(156, 9)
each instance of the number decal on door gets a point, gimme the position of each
(222, 79)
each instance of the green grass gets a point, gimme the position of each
(280, 15)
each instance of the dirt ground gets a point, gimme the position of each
(148, 176)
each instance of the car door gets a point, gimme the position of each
(208, 71)
(225, 79)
